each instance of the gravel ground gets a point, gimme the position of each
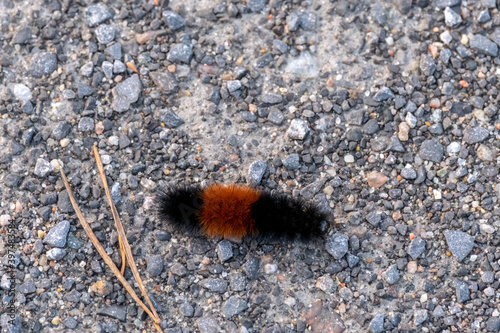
(383, 113)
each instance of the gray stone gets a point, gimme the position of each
(180, 53)
(484, 16)
(451, 18)
(62, 130)
(489, 3)
(293, 21)
(73, 296)
(438, 312)
(126, 93)
(383, 94)
(256, 172)
(431, 150)
(70, 323)
(256, 5)
(396, 145)
(208, 325)
(249, 116)
(488, 277)
(69, 94)
(462, 291)
(63, 202)
(237, 282)
(224, 250)
(56, 254)
(105, 33)
(474, 135)
(408, 173)
(337, 245)
(84, 90)
(308, 21)
(391, 275)
(173, 20)
(373, 218)
(233, 306)
(420, 316)
(459, 243)
(43, 64)
(154, 265)
(27, 287)
(292, 161)
(114, 311)
(114, 50)
(280, 46)
(186, 310)
(119, 67)
(73, 242)
(170, 119)
(416, 247)
(233, 85)
(298, 129)
(214, 285)
(178, 269)
(107, 69)
(378, 14)
(427, 65)
(352, 260)
(87, 69)
(43, 167)
(371, 127)
(97, 14)
(58, 234)
(251, 268)
(86, 124)
(483, 45)
(309, 191)
(493, 324)
(377, 323)
(446, 3)
(495, 36)
(276, 116)
(199, 246)
(22, 36)
(272, 98)
(165, 81)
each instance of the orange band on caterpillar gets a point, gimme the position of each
(236, 211)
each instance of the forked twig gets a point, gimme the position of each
(153, 315)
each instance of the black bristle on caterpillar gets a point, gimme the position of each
(236, 211)
(278, 216)
(180, 206)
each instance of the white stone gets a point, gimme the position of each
(22, 92)
(446, 37)
(349, 158)
(453, 148)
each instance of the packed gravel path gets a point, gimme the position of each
(382, 113)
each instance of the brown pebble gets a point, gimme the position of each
(435, 103)
(376, 179)
(433, 50)
(145, 37)
(102, 288)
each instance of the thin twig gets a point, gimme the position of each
(103, 253)
(121, 233)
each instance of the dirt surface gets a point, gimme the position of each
(382, 113)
